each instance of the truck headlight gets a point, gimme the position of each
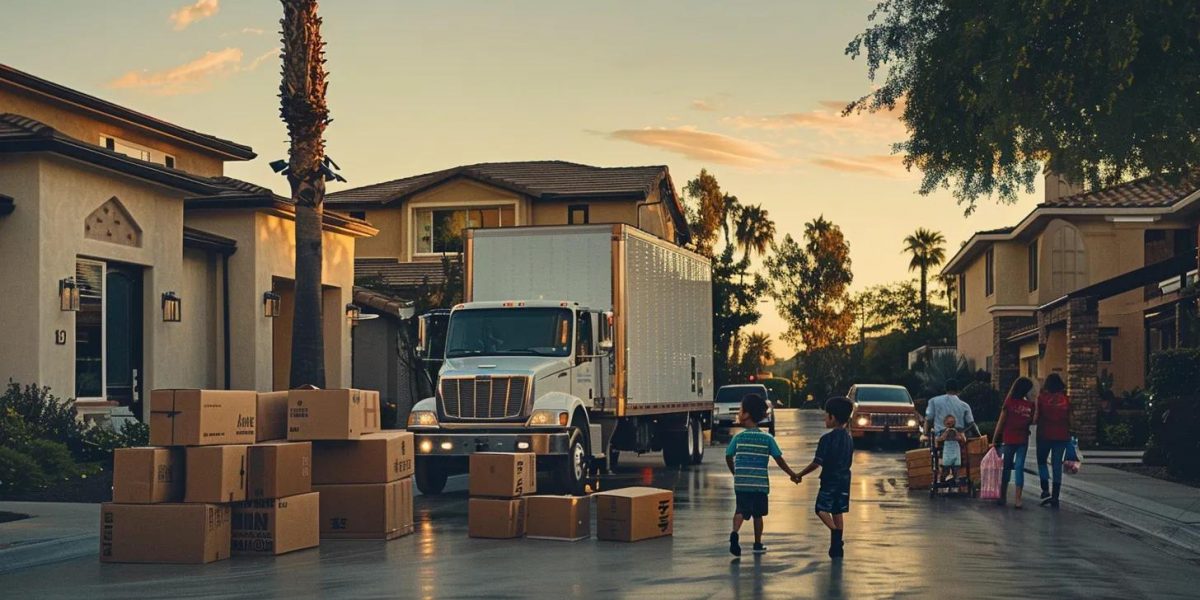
(548, 418)
(912, 422)
(862, 420)
(422, 418)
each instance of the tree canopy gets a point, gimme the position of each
(809, 283)
(990, 91)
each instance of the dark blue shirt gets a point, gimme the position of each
(835, 454)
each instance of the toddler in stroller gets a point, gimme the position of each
(947, 460)
(951, 440)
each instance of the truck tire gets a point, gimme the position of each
(570, 475)
(698, 443)
(677, 451)
(431, 478)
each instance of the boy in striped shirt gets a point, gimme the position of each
(747, 457)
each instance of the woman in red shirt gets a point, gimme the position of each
(1053, 435)
(1012, 430)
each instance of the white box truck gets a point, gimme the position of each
(575, 342)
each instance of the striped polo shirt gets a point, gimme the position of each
(751, 450)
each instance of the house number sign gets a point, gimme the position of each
(60, 337)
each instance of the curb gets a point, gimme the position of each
(1145, 516)
(35, 553)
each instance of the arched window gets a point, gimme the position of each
(1068, 258)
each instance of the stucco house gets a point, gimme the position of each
(1087, 284)
(422, 219)
(132, 263)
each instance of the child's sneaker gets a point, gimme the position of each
(734, 547)
(759, 548)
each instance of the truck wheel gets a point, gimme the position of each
(431, 479)
(571, 473)
(698, 443)
(677, 451)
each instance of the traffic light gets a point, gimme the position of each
(753, 378)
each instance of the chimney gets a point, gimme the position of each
(1058, 186)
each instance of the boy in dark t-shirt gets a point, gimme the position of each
(835, 454)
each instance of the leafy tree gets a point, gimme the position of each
(809, 283)
(927, 250)
(1099, 91)
(758, 353)
(707, 208)
(303, 109)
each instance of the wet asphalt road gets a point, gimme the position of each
(898, 544)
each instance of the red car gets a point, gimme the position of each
(883, 410)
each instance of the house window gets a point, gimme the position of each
(441, 230)
(89, 330)
(989, 282)
(577, 214)
(1029, 367)
(1033, 266)
(169, 161)
(1105, 349)
(137, 151)
(962, 293)
(358, 214)
(1068, 261)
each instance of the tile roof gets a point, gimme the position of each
(391, 273)
(383, 303)
(1147, 192)
(66, 94)
(540, 179)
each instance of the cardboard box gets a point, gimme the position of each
(496, 518)
(164, 533)
(278, 469)
(276, 526)
(566, 518)
(332, 414)
(382, 511)
(636, 513)
(202, 417)
(272, 416)
(918, 456)
(216, 474)
(977, 446)
(373, 458)
(920, 482)
(502, 474)
(148, 475)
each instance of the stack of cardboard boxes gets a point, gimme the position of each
(363, 474)
(920, 469)
(498, 483)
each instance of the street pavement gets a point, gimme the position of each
(898, 544)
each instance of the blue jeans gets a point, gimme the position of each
(1054, 450)
(1014, 460)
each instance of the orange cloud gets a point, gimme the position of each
(201, 9)
(703, 105)
(828, 119)
(701, 145)
(189, 77)
(880, 165)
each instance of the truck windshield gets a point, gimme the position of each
(881, 394)
(510, 331)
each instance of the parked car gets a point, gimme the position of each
(883, 410)
(729, 402)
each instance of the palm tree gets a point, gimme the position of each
(927, 250)
(758, 353)
(755, 230)
(302, 107)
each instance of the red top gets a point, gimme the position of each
(1053, 409)
(1018, 417)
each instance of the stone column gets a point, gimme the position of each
(1083, 355)
(1006, 360)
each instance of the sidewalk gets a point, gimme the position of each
(1168, 511)
(55, 531)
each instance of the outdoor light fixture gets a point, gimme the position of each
(171, 308)
(271, 304)
(68, 294)
(353, 312)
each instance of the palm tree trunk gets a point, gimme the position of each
(303, 109)
(924, 297)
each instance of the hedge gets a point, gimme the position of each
(1175, 411)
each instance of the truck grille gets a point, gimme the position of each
(483, 397)
(889, 420)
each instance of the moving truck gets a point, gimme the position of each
(576, 343)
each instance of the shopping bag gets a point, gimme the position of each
(1073, 458)
(991, 469)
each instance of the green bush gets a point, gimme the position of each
(53, 458)
(1118, 435)
(1131, 428)
(19, 472)
(46, 416)
(1175, 409)
(985, 401)
(986, 427)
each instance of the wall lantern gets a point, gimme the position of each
(271, 304)
(171, 308)
(68, 294)
(353, 312)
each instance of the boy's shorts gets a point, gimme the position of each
(952, 461)
(834, 499)
(751, 504)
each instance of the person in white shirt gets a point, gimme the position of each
(948, 404)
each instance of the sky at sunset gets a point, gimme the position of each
(750, 91)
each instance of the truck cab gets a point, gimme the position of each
(516, 376)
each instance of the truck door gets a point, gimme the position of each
(583, 382)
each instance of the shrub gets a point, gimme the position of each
(45, 416)
(984, 400)
(1118, 435)
(1132, 428)
(99, 442)
(1175, 410)
(54, 460)
(19, 472)
(986, 427)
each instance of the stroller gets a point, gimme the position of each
(942, 483)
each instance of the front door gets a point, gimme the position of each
(584, 384)
(123, 339)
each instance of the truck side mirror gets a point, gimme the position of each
(606, 331)
(422, 347)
